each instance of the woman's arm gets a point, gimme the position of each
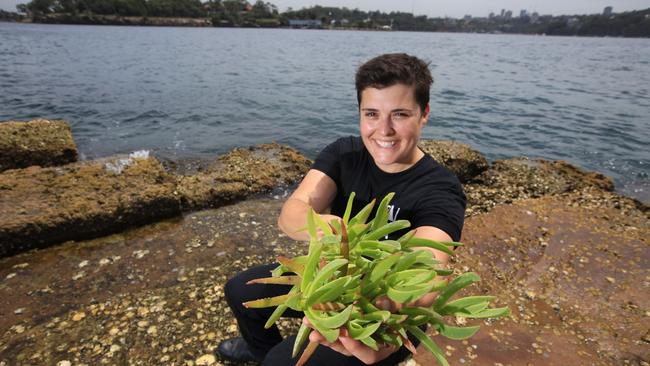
(317, 190)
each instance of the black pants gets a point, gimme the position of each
(268, 343)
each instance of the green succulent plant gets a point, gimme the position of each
(350, 265)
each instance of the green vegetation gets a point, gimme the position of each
(10, 16)
(160, 8)
(241, 13)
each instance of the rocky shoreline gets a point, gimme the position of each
(569, 257)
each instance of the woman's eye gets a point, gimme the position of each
(400, 115)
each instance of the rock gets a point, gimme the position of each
(536, 177)
(206, 360)
(459, 158)
(241, 173)
(521, 178)
(38, 142)
(565, 310)
(45, 206)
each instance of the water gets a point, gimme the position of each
(193, 92)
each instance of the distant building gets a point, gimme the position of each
(534, 17)
(523, 14)
(607, 11)
(467, 18)
(491, 16)
(508, 14)
(573, 22)
(503, 13)
(305, 23)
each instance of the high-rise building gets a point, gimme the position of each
(503, 12)
(523, 14)
(607, 11)
(534, 17)
(508, 14)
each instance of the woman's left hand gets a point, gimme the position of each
(351, 347)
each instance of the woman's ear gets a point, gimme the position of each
(425, 115)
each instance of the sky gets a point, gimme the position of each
(453, 8)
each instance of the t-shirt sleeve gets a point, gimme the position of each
(328, 160)
(444, 208)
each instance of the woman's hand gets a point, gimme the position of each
(351, 347)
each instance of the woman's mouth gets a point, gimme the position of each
(385, 144)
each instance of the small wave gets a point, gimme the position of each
(525, 101)
(542, 100)
(190, 118)
(489, 98)
(623, 68)
(453, 93)
(147, 115)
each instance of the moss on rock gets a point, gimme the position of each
(38, 142)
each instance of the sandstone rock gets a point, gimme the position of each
(560, 309)
(565, 310)
(537, 177)
(241, 173)
(459, 158)
(43, 206)
(38, 142)
(519, 178)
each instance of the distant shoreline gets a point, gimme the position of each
(118, 20)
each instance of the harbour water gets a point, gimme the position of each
(194, 92)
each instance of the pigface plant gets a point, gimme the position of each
(350, 265)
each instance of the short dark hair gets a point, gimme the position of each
(395, 68)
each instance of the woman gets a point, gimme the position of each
(393, 98)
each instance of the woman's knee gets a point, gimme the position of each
(236, 288)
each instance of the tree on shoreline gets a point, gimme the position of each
(240, 13)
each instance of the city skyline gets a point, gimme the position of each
(454, 9)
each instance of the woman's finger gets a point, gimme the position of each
(314, 336)
(365, 353)
(338, 347)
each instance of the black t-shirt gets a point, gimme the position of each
(426, 194)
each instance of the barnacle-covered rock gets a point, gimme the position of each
(571, 267)
(459, 158)
(43, 206)
(241, 173)
(133, 281)
(514, 179)
(39, 142)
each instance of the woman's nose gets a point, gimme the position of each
(386, 126)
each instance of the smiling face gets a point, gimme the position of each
(390, 125)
